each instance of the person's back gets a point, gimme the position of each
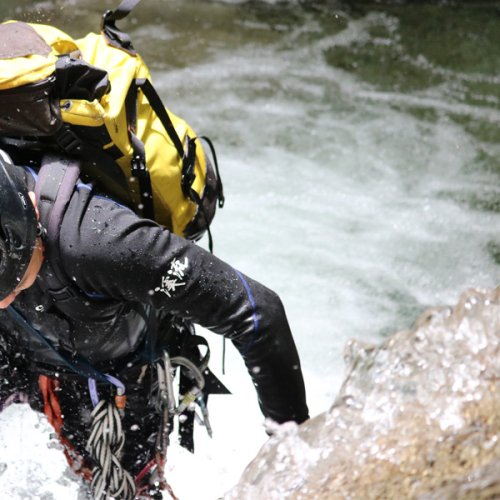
(131, 284)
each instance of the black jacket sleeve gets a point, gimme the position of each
(115, 253)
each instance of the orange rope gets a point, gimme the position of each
(52, 409)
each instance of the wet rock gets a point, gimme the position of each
(417, 417)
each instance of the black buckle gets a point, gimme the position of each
(62, 294)
(188, 163)
(68, 141)
(105, 19)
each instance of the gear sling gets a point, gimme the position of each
(112, 129)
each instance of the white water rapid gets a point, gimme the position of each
(360, 157)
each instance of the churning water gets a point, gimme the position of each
(359, 146)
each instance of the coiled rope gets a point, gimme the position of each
(105, 445)
(107, 437)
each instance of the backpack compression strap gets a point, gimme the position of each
(187, 153)
(139, 168)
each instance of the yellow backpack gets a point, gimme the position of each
(93, 98)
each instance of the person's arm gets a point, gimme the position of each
(137, 260)
(271, 357)
(214, 295)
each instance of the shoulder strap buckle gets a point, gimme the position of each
(62, 294)
(68, 141)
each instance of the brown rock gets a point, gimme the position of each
(417, 417)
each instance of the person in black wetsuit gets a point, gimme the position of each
(134, 277)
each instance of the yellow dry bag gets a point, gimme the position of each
(93, 98)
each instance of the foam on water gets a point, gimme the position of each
(360, 189)
(361, 208)
(31, 462)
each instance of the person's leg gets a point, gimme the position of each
(141, 420)
(14, 379)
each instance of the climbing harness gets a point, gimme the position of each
(107, 436)
(105, 445)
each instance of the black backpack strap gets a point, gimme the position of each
(56, 182)
(139, 165)
(221, 199)
(156, 103)
(186, 152)
(55, 185)
(57, 179)
(114, 35)
(117, 37)
(139, 169)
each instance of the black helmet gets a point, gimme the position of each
(18, 226)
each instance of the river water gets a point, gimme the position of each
(359, 148)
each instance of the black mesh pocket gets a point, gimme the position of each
(30, 110)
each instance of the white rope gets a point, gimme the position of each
(166, 399)
(105, 444)
(107, 438)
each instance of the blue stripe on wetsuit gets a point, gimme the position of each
(255, 318)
